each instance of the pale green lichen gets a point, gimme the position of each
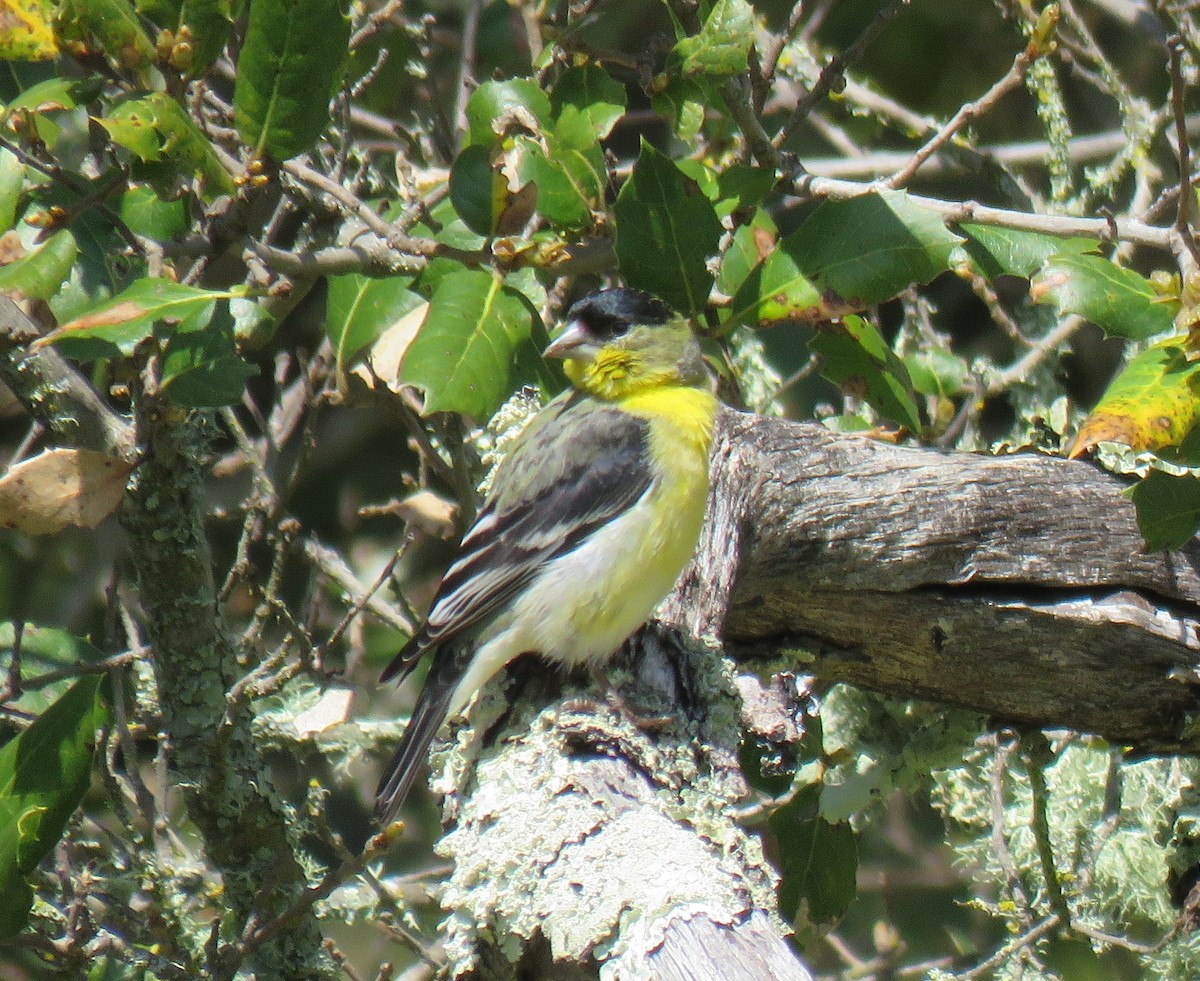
(538, 851)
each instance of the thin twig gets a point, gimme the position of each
(1183, 213)
(834, 70)
(971, 111)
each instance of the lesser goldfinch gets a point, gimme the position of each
(591, 517)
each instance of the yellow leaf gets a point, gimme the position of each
(25, 32)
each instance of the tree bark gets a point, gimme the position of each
(1016, 585)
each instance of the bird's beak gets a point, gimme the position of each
(574, 343)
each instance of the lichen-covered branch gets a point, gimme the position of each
(225, 778)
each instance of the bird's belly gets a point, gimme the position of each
(587, 602)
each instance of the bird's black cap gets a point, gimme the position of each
(606, 314)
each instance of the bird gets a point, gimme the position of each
(590, 519)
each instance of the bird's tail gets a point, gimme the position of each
(428, 716)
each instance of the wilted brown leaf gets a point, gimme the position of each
(60, 488)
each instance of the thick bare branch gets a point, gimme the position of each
(1016, 585)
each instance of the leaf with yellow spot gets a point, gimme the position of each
(1151, 405)
(25, 31)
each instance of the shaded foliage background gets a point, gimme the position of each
(305, 308)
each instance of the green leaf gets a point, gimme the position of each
(463, 355)
(43, 650)
(1009, 252)
(12, 183)
(570, 182)
(1117, 300)
(1168, 509)
(113, 26)
(587, 98)
(149, 215)
(116, 326)
(200, 367)
(666, 230)
(751, 243)
(474, 184)
(208, 22)
(775, 291)
(741, 187)
(40, 274)
(155, 129)
(359, 309)
(289, 68)
(44, 773)
(723, 44)
(1153, 404)
(868, 249)
(818, 861)
(495, 108)
(856, 358)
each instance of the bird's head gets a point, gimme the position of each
(618, 341)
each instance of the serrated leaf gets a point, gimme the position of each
(1168, 509)
(496, 109)
(775, 291)
(463, 355)
(119, 324)
(40, 274)
(290, 66)
(855, 357)
(666, 230)
(27, 34)
(868, 249)
(44, 773)
(750, 245)
(1010, 252)
(1153, 403)
(587, 98)
(1117, 300)
(359, 310)
(155, 129)
(723, 44)
(61, 488)
(570, 182)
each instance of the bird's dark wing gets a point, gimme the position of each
(578, 465)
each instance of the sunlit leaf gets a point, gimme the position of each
(496, 109)
(360, 309)
(40, 274)
(60, 488)
(44, 650)
(723, 44)
(1153, 403)
(109, 26)
(1118, 300)
(666, 230)
(26, 33)
(117, 325)
(868, 249)
(155, 129)
(464, 353)
(1009, 252)
(856, 358)
(587, 97)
